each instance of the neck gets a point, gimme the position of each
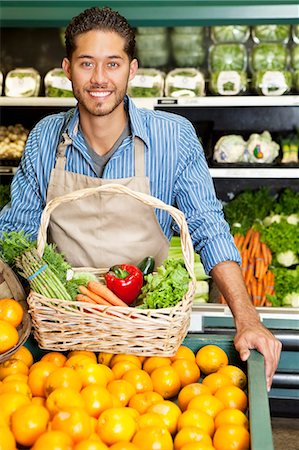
(101, 132)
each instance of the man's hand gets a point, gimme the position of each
(261, 339)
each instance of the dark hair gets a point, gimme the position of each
(100, 19)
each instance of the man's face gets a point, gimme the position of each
(99, 71)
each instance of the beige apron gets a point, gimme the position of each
(104, 229)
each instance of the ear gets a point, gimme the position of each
(133, 69)
(66, 65)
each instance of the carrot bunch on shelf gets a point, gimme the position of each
(256, 259)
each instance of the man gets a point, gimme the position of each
(105, 140)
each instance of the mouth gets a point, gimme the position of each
(99, 94)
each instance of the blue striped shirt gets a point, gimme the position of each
(174, 162)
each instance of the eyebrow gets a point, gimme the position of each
(91, 57)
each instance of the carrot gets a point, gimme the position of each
(84, 298)
(250, 271)
(96, 298)
(103, 291)
(247, 238)
(259, 293)
(239, 239)
(254, 290)
(254, 244)
(264, 253)
(244, 255)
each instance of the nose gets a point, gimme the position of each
(99, 75)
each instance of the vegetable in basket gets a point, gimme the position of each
(126, 281)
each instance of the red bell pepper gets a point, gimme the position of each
(125, 281)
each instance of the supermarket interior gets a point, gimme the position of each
(232, 69)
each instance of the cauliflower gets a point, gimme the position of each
(291, 299)
(287, 259)
(229, 149)
(261, 149)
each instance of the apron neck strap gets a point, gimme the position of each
(139, 157)
(60, 157)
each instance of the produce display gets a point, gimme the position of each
(11, 316)
(230, 33)
(12, 141)
(272, 82)
(147, 83)
(57, 84)
(188, 82)
(22, 82)
(271, 33)
(269, 56)
(152, 46)
(228, 82)
(259, 148)
(227, 57)
(187, 45)
(81, 399)
(266, 231)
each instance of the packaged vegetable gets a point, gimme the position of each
(295, 57)
(57, 84)
(195, 58)
(147, 83)
(185, 41)
(295, 33)
(150, 42)
(272, 82)
(228, 82)
(230, 33)
(199, 31)
(153, 58)
(188, 82)
(271, 33)
(227, 57)
(151, 30)
(269, 56)
(229, 149)
(261, 149)
(22, 82)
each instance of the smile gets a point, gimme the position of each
(100, 94)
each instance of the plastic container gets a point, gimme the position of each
(22, 82)
(228, 82)
(151, 42)
(188, 82)
(272, 82)
(151, 30)
(153, 58)
(271, 33)
(227, 57)
(199, 31)
(295, 57)
(195, 58)
(230, 33)
(295, 33)
(57, 84)
(269, 56)
(185, 41)
(147, 83)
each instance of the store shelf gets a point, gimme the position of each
(53, 13)
(256, 173)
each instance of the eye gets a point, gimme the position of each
(113, 64)
(87, 64)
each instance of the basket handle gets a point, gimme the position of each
(178, 216)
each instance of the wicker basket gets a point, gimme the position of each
(10, 287)
(58, 325)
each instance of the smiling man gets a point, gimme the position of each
(105, 140)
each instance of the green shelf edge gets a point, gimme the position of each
(47, 13)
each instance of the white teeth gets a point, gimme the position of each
(99, 94)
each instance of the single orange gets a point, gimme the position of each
(232, 397)
(96, 399)
(140, 379)
(183, 352)
(7, 439)
(122, 389)
(38, 375)
(79, 360)
(13, 367)
(28, 423)
(25, 355)
(187, 370)
(62, 398)
(231, 437)
(236, 375)
(141, 402)
(190, 391)
(166, 381)
(57, 358)
(197, 418)
(38, 401)
(92, 373)
(153, 438)
(169, 412)
(153, 362)
(216, 380)
(116, 424)
(9, 336)
(63, 377)
(126, 357)
(150, 419)
(87, 353)
(11, 401)
(210, 358)
(16, 386)
(207, 403)
(231, 416)
(90, 444)
(73, 421)
(191, 434)
(53, 440)
(11, 311)
(15, 377)
(105, 358)
(120, 367)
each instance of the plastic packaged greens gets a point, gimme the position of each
(269, 56)
(187, 82)
(230, 33)
(228, 82)
(22, 82)
(151, 42)
(147, 83)
(272, 82)
(185, 41)
(295, 33)
(190, 58)
(227, 57)
(295, 57)
(153, 58)
(151, 30)
(57, 84)
(199, 31)
(271, 33)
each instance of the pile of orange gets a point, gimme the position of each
(11, 315)
(88, 401)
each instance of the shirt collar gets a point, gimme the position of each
(136, 122)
